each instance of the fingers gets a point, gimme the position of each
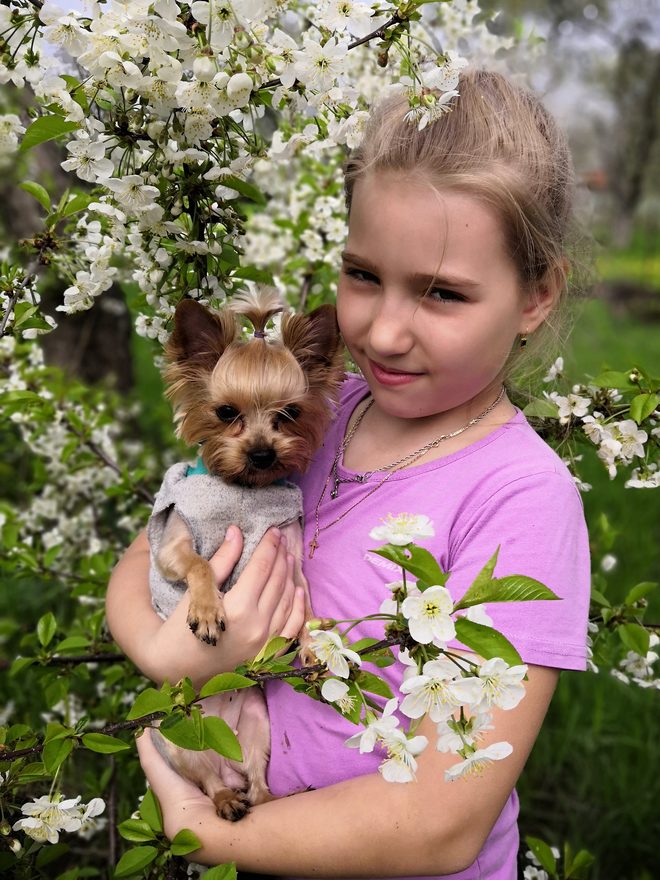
(227, 555)
(257, 573)
(296, 618)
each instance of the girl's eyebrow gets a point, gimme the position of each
(418, 277)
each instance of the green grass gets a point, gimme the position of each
(594, 775)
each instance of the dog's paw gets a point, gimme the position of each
(207, 621)
(232, 805)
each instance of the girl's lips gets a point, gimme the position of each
(391, 377)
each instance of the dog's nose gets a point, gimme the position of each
(262, 458)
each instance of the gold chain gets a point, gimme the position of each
(392, 468)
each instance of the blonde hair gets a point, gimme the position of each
(499, 144)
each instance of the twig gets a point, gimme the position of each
(108, 462)
(112, 815)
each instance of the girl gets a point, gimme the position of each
(455, 258)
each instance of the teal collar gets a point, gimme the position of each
(198, 468)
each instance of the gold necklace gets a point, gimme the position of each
(391, 468)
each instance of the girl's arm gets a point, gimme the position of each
(364, 827)
(263, 602)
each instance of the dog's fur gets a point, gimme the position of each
(259, 409)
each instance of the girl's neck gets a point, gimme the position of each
(382, 438)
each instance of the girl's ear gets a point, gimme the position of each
(544, 297)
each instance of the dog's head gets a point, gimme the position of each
(259, 407)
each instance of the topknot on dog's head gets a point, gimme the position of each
(258, 307)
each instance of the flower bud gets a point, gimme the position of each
(634, 377)
(239, 89)
(15, 845)
(204, 68)
(5, 828)
(321, 623)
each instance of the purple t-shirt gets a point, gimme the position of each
(508, 489)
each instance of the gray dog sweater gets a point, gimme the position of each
(209, 506)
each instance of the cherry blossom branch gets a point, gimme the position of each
(379, 32)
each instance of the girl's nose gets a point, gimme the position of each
(391, 327)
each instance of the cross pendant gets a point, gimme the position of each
(313, 544)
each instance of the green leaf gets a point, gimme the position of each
(481, 584)
(133, 861)
(136, 830)
(72, 643)
(634, 637)
(642, 406)
(578, 867)
(543, 853)
(639, 591)
(598, 599)
(38, 191)
(183, 731)
(613, 379)
(486, 641)
(221, 738)
(247, 190)
(270, 649)
(184, 842)
(104, 744)
(48, 854)
(150, 700)
(150, 811)
(367, 681)
(56, 752)
(222, 872)
(226, 681)
(512, 588)
(251, 273)
(21, 663)
(45, 128)
(541, 409)
(77, 203)
(418, 561)
(46, 628)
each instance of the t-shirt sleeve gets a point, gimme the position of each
(538, 523)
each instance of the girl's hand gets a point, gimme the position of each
(264, 602)
(183, 804)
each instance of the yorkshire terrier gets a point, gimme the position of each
(258, 408)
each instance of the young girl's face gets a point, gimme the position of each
(429, 301)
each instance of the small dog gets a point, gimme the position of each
(259, 409)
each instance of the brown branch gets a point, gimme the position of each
(108, 462)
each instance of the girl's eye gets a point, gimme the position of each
(360, 275)
(227, 413)
(439, 294)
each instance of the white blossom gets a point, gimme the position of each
(449, 740)
(335, 691)
(570, 405)
(501, 684)
(478, 760)
(330, 649)
(439, 691)
(402, 528)
(429, 616)
(377, 729)
(317, 66)
(556, 371)
(400, 764)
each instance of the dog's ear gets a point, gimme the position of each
(314, 341)
(200, 336)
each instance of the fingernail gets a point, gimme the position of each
(276, 532)
(231, 533)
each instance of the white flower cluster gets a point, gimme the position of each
(65, 512)
(641, 670)
(619, 441)
(10, 129)
(444, 688)
(46, 817)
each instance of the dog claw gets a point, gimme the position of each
(194, 625)
(235, 808)
(222, 625)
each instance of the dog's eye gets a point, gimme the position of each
(291, 412)
(227, 413)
